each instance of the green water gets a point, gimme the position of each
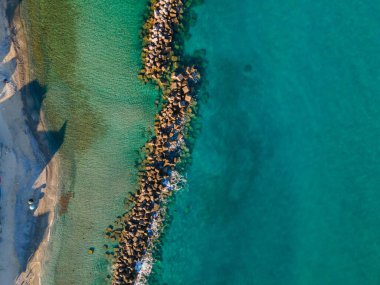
(87, 55)
(284, 185)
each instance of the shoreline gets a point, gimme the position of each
(34, 270)
(31, 175)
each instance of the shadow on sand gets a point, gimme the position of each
(49, 142)
(33, 95)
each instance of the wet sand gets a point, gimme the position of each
(24, 170)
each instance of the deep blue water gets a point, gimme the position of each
(284, 187)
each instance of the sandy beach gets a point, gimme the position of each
(24, 170)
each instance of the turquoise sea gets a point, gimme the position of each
(283, 188)
(284, 185)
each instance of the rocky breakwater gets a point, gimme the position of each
(158, 54)
(140, 227)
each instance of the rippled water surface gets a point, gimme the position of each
(87, 55)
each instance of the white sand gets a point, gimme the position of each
(23, 173)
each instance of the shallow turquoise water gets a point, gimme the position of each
(284, 185)
(90, 53)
